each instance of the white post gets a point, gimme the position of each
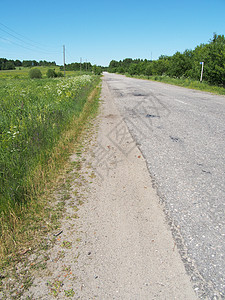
(202, 63)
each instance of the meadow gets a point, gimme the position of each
(34, 116)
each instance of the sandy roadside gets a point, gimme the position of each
(132, 252)
(120, 247)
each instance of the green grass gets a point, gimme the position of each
(185, 82)
(34, 114)
(39, 120)
(23, 73)
(30, 174)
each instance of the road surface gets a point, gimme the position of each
(181, 134)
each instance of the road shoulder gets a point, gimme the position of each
(132, 254)
(114, 241)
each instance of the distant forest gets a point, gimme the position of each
(10, 64)
(186, 64)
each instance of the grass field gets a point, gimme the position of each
(36, 117)
(23, 73)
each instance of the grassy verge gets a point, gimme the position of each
(21, 226)
(185, 82)
(34, 115)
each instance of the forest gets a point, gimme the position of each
(10, 64)
(181, 65)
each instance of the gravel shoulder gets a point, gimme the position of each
(132, 252)
(117, 243)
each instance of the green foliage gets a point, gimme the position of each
(149, 70)
(6, 64)
(35, 73)
(86, 66)
(97, 70)
(59, 74)
(215, 65)
(181, 65)
(51, 73)
(11, 64)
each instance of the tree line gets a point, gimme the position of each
(10, 64)
(84, 67)
(186, 64)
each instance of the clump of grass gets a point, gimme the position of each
(66, 244)
(69, 293)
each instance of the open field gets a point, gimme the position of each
(22, 73)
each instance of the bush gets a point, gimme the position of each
(97, 70)
(59, 74)
(51, 73)
(35, 73)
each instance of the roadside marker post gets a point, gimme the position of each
(202, 63)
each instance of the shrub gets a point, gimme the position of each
(59, 74)
(35, 73)
(51, 73)
(97, 70)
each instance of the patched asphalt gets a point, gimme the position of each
(181, 134)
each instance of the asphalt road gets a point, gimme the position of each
(181, 134)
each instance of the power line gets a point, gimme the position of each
(25, 42)
(11, 42)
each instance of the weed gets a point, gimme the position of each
(75, 216)
(80, 202)
(39, 266)
(66, 244)
(66, 268)
(55, 287)
(76, 257)
(69, 293)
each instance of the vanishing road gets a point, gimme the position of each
(181, 134)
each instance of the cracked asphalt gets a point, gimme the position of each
(181, 134)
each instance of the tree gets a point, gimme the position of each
(215, 64)
(97, 70)
(179, 64)
(148, 69)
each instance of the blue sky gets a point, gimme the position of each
(99, 31)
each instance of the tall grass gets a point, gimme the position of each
(25, 226)
(34, 114)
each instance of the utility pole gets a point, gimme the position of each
(202, 63)
(64, 60)
(86, 65)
